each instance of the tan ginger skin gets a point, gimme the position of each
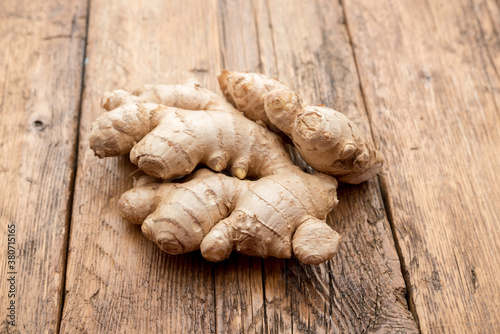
(326, 139)
(284, 209)
(168, 142)
(218, 214)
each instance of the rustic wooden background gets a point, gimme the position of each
(421, 244)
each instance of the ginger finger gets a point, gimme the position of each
(326, 139)
(307, 237)
(190, 96)
(246, 92)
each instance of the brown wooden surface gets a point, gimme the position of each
(367, 295)
(41, 57)
(430, 76)
(118, 281)
(423, 77)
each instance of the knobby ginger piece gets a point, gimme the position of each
(325, 138)
(171, 129)
(170, 141)
(215, 213)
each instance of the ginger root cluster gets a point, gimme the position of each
(251, 198)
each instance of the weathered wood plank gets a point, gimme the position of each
(239, 295)
(118, 281)
(305, 44)
(41, 58)
(430, 75)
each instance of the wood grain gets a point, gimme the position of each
(118, 281)
(305, 44)
(430, 77)
(41, 55)
(239, 295)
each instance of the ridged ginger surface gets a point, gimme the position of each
(325, 138)
(170, 141)
(171, 129)
(216, 213)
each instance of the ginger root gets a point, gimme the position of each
(170, 141)
(326, 139)
(218, 214)
(171, 129)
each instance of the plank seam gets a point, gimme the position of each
(263, 275)
(75, 169)
(382, 183)
(406, 274)
(215, 298)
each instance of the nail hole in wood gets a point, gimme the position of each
(39, 125)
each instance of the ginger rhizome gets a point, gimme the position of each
(170, 141)
(215, 213)
(326, 139)
(171, 129)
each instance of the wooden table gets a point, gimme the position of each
(420, 244)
